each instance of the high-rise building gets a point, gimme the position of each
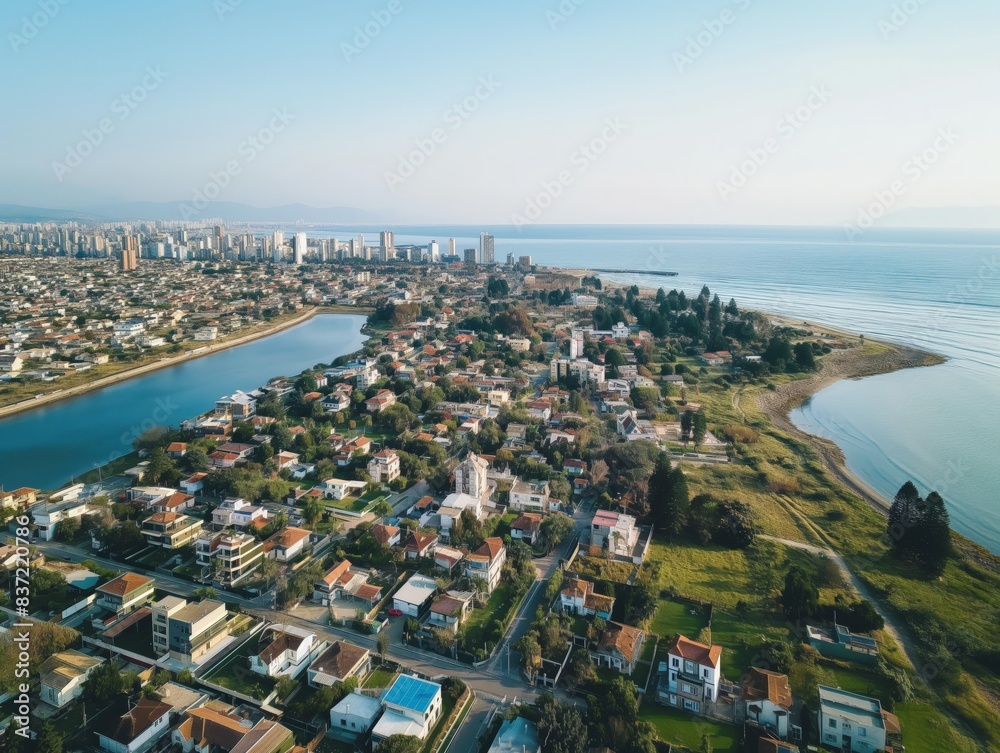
(452, 248)
(130, 253)
(470, 256)
(510, 258)
(433, 252)
(486, 252)
(576, 344)
(279, 238)
(300, 247)
(388, 245)
(278, 252)
(525, 262)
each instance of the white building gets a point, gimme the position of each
(284, 650)
(413, 595)
(355, 714)
(236, 511)
(853, 723)
(301, 244)
(614, 531)
(532, 496)
(63, 674)
(768, 700)
(338, 488)
(694, 671)
(487, 562)
(384, 467)
(412, 707)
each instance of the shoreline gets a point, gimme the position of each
(49, 398)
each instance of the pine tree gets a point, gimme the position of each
(933, 536)
(659, 493)
(903, 516)
(678, 503)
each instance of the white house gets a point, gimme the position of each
(619, 647)
(694, 671)
(854, 723)
(412, 707)
(532, 496)
(414, 594)
(614, 531)
(526, 527)
(578, 597)
(236, 511)
(286, 544)
(384, 467)
(487, 562)
(768, 699)
(125, 593)
(128, 728)
(355, 714)
(338, 488)
(63, 675)
(284, 650)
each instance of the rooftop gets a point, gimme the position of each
(411, 693)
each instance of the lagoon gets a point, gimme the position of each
(46, 446)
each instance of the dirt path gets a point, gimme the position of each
(892, 628)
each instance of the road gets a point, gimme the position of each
(891, 627)
(467, 737)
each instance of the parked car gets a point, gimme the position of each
(395, 612)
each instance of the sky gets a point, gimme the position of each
(434, 111)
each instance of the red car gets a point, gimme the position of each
(395, 613)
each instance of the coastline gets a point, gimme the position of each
(210, 349)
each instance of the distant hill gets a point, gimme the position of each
(168, 211)
(948, 217)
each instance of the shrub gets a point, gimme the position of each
(740, 433)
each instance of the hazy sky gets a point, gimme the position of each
(672, 96)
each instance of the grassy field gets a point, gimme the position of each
(793, 497)
(501, 602)
(359, 504)
(379, 678)
(598, 568)
(234, 673)
(675, 617)
(681, 728)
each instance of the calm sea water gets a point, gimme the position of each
(44, 447)
(935, 289)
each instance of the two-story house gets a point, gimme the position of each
(615, 532)
(578, 597)
(283, 650)
(619, 647)
(532, 496)
(287, 544)
(170, 530)
(487, 562)
(125, 593)
(412, 706)
(339, 661)
(449, 610)
(854, 723)
(693, 674)
(188, 631)
(384, 467)
(768, 699)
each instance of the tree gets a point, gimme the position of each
(699, 428)
(736, 526)
(800, 597)
(555, 528)
(382, 643)
(805, 359)
(562, 729)
(313, 510)
(400, 744)
(205, 592)
(103, 683)
(68, 529)
(50, 739)
(933, 535)
(706, 744)
(903, 513)
(122, 538)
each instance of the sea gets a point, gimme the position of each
(938, 290)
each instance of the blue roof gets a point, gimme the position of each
(411, 693)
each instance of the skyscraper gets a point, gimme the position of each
(387, 244)
(486, 254)
(130, 253)
(433, 252)
(470, 256)
(452, 248)
(300, 247)
(279, 238)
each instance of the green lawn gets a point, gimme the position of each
(379, 678)
(234, 673)
(675, 617)
(681, 728)
(501, 601)
(360, 504)
(924, 730)
(598, 568)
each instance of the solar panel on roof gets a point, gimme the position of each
(411, 693)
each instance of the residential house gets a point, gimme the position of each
(449, 610)
(414, 595)
(342, 581)
(283, 650)
(287, 544)
(48, 517)
(526, 527)
(228, 555)
(127, 727)
(517, 734)
(170, 530)
(841, 643)
(768, 699)
(854, 723)
(239, 406)
(384, 467)
(382, 400)
(615, 532)
(216, 727)
(193, 483)
(337, 663)
(235, 511)
(339, 488)
(125, 593)
(578, 597)
(487, 562)
(532, 496)
(385, 535)
(419, 544)
(188, 631)
(176, 502)
(693, 675)
(619, 647)
(447, 557)
(574, 467)
(336, 402)
(286, 459)
(412, 706)
(63, 675)
(355, 714)
(21, 498)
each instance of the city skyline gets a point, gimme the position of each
(721, 114)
